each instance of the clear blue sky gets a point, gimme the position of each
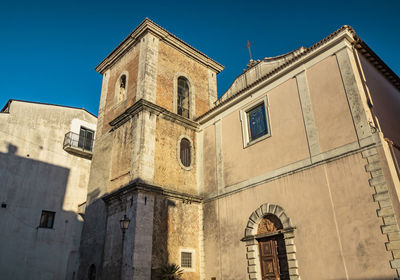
(49, 49)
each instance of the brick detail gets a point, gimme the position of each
(253, 263)
(390, 226)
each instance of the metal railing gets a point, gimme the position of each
(83, 142)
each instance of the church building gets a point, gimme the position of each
(293, 173)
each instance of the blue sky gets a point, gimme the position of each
(49, 49)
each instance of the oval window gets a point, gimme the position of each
(185, 152)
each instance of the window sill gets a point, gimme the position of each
(257, 140)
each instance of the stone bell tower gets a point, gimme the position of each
(145, 163)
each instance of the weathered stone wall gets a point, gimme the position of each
(168, 171)
(176, 226)
(121, 156)
(171, 62)
(130, 64)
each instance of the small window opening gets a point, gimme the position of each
(186, 259)
(185, 152)
(122, 83)
(183, 97)
(47, 219)
(121, 88)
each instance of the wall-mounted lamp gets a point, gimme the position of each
(124, 223)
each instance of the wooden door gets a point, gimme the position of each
(269, 259)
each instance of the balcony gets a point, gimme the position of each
(79, 144)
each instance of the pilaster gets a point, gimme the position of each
(308, 117)
(352, 90)
(147, 74)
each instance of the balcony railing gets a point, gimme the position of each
(81, 144)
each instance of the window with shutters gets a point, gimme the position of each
(47, 219)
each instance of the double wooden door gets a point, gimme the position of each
(273, 258)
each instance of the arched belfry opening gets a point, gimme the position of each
(270, 246)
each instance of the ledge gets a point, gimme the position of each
(143, 104)
(139, 185)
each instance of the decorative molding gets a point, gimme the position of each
(140, 186)
(178, 153)
(143, 104)
(147, 26)
(250, 238)
(340, 152)
(244, 120)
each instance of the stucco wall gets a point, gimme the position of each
(168, 172)
(209, 160)
(385, 99)
(330, 106)
(171, 62)
(37, 174)
(331, 206)
(287, 144)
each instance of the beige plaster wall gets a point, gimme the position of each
(37, 174)
(130, 63)
(209, 160)
(287, 144)
(168, 172)
(385, 99)
(330, 106)
(331, 206)
(170, 62)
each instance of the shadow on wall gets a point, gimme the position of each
(34, 244)
(160, 234)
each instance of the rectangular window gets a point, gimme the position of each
(186, 259)
(255, 122)
(47, 219)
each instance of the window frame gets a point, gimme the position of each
(178, 153)
(52, 222)
(118, 86)
(193, 260)
(245, 122)
(192, 100)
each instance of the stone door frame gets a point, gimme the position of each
(252, 250)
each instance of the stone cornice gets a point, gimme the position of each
(143, 104)
(147, 26)
(140, 186)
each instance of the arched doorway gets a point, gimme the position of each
(270, 246)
